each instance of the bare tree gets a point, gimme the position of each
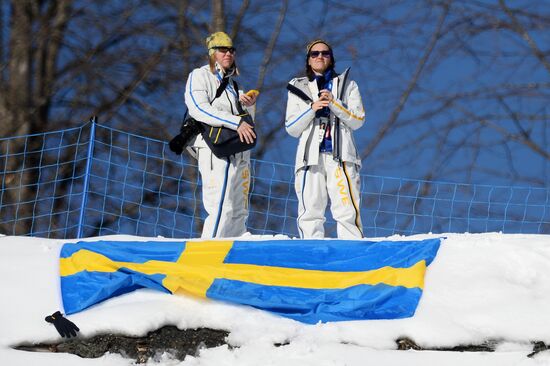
(68, 60)
(453, 90)
(461, 85)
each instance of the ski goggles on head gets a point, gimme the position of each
(315, 54)
(231, 50)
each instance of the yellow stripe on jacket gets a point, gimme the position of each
(202, 262)
(347, 111)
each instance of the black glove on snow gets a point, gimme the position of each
(64, 326)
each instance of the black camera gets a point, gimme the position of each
(189, 129)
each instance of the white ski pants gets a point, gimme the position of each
(225, 188)
(314, 184)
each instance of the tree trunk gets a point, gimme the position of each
(18, 95)
(218, 16)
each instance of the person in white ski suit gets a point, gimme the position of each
(225, 181)
(327, 161)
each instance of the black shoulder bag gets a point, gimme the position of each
(221, 140)
(224, 141)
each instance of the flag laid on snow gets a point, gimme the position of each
(306, 280)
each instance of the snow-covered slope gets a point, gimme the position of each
(479, 287)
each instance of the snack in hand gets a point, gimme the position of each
(253, 92)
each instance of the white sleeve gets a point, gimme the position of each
(298, 115)
(352, 114)
(198, 102)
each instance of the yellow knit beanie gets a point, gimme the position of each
(218, 39)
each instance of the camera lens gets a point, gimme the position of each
(188, 131)
(177, 144)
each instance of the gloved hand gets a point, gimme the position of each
(64, 326)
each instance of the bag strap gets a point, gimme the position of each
(299, 93)
(221, 88)
(219, 91)
(238, 103)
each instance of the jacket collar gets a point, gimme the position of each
(222, 73)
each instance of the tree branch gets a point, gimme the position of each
(239, 19)
(518, 28)
(123, 95)
(412, 84)
(268, 52)
(218, 16)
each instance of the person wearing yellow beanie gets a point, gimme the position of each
(216, 40)
(225, 180)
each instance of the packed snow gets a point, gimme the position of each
(480, 287)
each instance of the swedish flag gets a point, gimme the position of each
(306, 280)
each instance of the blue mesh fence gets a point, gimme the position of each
(95, 180)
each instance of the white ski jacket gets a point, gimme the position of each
(300, 119)
(200, 92)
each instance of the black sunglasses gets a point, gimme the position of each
(231, 50)
(315, 54)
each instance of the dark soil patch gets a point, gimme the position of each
(180, 343)
(487, 346)
(169, 339)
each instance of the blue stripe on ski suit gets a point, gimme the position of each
(202, 110)
(220, 206)
(297, 119)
